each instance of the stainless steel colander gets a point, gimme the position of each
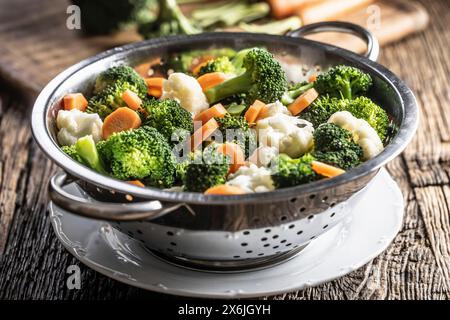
(223, 232)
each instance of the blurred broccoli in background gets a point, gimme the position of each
(106, 16)
(170, 21)
(273, 27)
(288, 172)
(142, 154)
(335, 146)
(188, 61)
(220, 64)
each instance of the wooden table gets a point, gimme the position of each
(416, 265)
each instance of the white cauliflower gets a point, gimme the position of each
(263, 155)
(186, 90)
(363, 134)
(252, 179)
(291, 135)
(274, 108)
(75, 124)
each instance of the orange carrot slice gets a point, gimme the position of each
(252, 113)
(312, 78)
(224, 189)
(263, 113)
(303, 101)
(75, 101)
(144, 68)
(121, 119)
(235, 153)
(202, 61)
(203, 133)
(325, 169)
(155, 86)
(209, 80)
(136, 183)
(216, 111)
(131, 99)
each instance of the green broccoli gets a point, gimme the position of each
(362, 107)
(106, 16)
(236, 129)
(264, 79)
(273, 27)
(295, 91)
(169, 118)
(288, 172)
(170, 21)
(220, 64)
(322, 108)
(85, 152)
(109, 99)
(365, 108)
(186, 61)
(343, 81)
(207, 169)
(120, 74)
(142, 154)
(229, 14)
(335, 146)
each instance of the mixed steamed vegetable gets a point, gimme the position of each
(223, 122)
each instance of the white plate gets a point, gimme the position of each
(370, 228)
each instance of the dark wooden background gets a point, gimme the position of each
(416, 265)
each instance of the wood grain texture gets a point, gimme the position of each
(415, 266)
(36, 45)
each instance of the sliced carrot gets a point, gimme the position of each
(145, 68)
(234, 151)
(263, 113)
(202, 61)
(136, 183)
(119, 120)
(212, 79)
(303, 101)
(203, 133)
(252, 113)
(284, 8)
(312, 78)
(216, 111)
(224, 189)
(131, 99)
(75, 101)
(155, 86)
(154, 92)
(328, 10)
(325, 169)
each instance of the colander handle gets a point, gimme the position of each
(104, 210)
(373, 47)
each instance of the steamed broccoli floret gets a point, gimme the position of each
(170, 21)
(263, 79)
(220, 64)
(335, 146)
(142, 154)
(169, 118)
(236, 129)
(288, 172)
(362, 107)
(121, 74)
(109, 99)
(343, 81)
(295, 91)
(85, 152)
(322, 108)
(365, 108)
(106, 16)
(206, 170)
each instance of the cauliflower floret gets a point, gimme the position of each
(263, 155)
(75, 124)
(274, 108)
(363, 134)
(186, 90)
(291, 135)
(252, 179)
